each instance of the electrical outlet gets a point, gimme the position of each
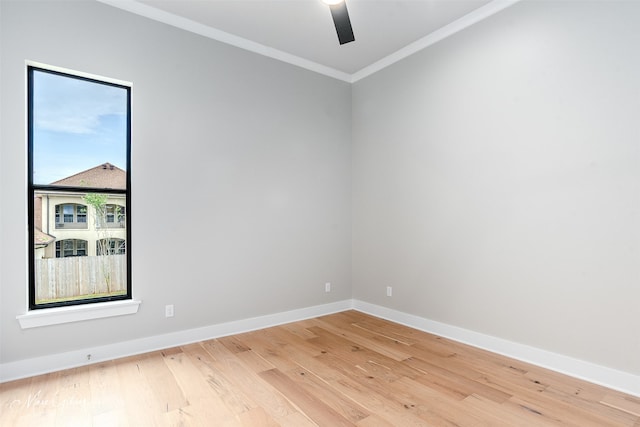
(168, 310)
(327, 287)
(389, 291)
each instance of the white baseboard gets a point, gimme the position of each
(614, 379)
(611, 378)
(55, 362)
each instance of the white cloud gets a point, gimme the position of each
(70, 105)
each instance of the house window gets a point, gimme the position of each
(71, 247)
(111, 247)
(71, 216)
(112, 216)
(79, 178)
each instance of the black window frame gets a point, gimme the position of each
(32, 188)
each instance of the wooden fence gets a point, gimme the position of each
(80, 277)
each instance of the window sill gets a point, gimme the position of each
(77, 313)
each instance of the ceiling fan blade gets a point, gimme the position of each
(342, 22)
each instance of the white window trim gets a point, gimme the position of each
(77, 313)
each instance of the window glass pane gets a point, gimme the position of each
(121, 215)
(82, 213)
(81, 247)
(110, 213)
(77, 125)
(68, 213)
(96, 261)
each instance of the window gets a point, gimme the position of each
(111, 216)
(71, 247)
(78, 182)
(71, 216)
(111, 247)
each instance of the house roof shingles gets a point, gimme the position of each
(42, 239)
(105, 175)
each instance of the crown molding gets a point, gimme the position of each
(224, 37)
(460, 24)
(442, 33)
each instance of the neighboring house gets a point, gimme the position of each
(66, 225)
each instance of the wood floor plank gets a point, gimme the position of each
(612, 414)
(29, 401)
(375, 393)
(249, 382)
(293, 343)
(388, 347)
(271, 349)
(313, 408)
(374, 421)
(432, 406)
(107, 406)
(360, 355)
(204, 402)
(234, 344)
(232, 396)
(301, 328)
(395, 332)
(141, 405)
(72, 403)
(296, 420)
(509, 414)
(627, 404)
(356, 366)
(343, 369)
(257, 417)
(163, 382)
(254, 361)
(358, 390)
(322, 390)
(450, 383)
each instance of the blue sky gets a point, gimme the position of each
(77, 125)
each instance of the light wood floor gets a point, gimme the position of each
(340, 370)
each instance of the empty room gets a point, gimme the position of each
(299, 213)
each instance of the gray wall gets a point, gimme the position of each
(496, 180)
(241, 174)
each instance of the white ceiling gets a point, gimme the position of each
(302, 31)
